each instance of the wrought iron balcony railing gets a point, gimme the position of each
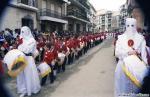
(51, 13)
(78, 15)
(81, 3)
(32, 3)
(84, 3)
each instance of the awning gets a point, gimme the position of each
(53, 19)
(71, 16)
(65, 0)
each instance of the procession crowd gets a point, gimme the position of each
(52, 53)
(55, 49)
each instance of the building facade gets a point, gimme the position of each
(20, 13)
(115, 21)
(104, 20)
(52, 15)
(92, 17)
(123, 16)
(77, 14)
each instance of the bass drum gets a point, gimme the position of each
(15, 61)
(135, 69)
(44, 69)
(61, 56)
(36, 53)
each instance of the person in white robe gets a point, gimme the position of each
(124, 86)
(28, 81)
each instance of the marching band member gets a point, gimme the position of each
(40, 47)
(69, 44)
(79, 48)
(61, 60)
(86, 43)
(130, 47)
(67, 50)
(5, 47)
(73, 48)
(48, 58)
(28, 81)
(76, 47)
(18, 41)
(55, 60)
(61, 55)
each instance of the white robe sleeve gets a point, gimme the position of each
(119, 51)
(28, 47)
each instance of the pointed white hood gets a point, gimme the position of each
(26, 33)
(131, 26)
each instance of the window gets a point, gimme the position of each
(52, 7)
(43, 4)
(24, 2)
(28, 2)
(59, 10)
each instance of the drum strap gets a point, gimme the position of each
(131, 76)
(29, 54)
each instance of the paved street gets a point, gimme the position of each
(91, 76)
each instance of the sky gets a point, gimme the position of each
(112, 5)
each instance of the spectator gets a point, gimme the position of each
(2, 37)
(15, 33)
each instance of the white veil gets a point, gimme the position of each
(131, 27)
(26, 33)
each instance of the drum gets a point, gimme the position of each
(81, 45)
(44, 69)
(135, 69)
(61, 56)
(68, 51)
(53, 62)
(15, 61)
(36, 53)
(72, 50)
(78, 49)
(92, 41)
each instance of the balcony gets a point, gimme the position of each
(81, 4)
(103, 18)
(51, 13)
(28, 4)
(47, 14)
(78, 15)
(84, 3)
(109, 20)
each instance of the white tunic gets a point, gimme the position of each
(123, 84)
(28, 81)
